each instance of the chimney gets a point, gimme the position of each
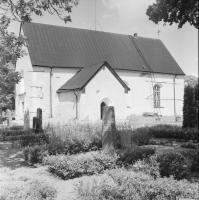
(135, 35)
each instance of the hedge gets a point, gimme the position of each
(6, 134)
(30, 139)
(169, 131)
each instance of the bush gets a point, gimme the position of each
(73, 138)
(190, 106)
(123, 185)
(173, 164)
(16, 128)
(34, 154)
(67, 167)
(130, 156)
(195, 161)
(30, 140)
(170, 131)
(189, 146)
(31, 189)
(141, 136)
(5, 135)
(148, 166)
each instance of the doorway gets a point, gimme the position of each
(101, 107)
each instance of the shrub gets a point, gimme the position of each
(189, 146)
(141, 136)
(191, 134)
(148, 166)
(32, 139)
(195, 161)
(34, 154)
(190, 106)
(130, 156)
(31, 189)
(171, 131)
(123, 185)
(16, 128)
(73, 138)
(68, 167)
(173, 164)
(5, 135)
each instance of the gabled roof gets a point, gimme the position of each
(82, 78)
(55, 46)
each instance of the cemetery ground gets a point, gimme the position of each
(15, 169)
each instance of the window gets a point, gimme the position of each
(156, 96)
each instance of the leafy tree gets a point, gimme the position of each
(11, 45)
(174, 11)
(8, 79)
(191, 103)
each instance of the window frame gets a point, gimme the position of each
(156, 96)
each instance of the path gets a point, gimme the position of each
(13, 168)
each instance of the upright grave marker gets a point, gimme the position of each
(26, 120)
(109, 141)
(39, 118)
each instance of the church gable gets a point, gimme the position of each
(84, 76)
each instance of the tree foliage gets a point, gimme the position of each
(22, 10)
(191, 102)
(11, 45)
(8, 79)
(174, 11)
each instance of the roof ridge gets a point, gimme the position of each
(88, 30)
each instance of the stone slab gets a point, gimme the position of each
(108, 129)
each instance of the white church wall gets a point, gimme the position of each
(35, 93)
(22, 95)
(142, 93)
(104, 86)
(56, 106)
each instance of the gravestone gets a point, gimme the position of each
(126, 139)
(34, 122)
(26, 120)
(39, 118)
(1, 115)
(109, 141)
(9, 117)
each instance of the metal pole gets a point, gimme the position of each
(95, 16)
(174, 95)
(51, 110)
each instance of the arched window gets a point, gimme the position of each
(156, 96)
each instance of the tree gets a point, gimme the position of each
(174, 11)
(11, 45)
(8, 79)
(191, 103)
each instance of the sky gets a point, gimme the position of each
(129, 17)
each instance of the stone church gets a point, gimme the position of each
(72, 73)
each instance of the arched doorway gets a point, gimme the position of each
(101, 108)
(104, 102)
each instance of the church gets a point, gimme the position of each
(72, 73)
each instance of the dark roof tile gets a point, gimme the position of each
(55, 46)
(82, 77)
